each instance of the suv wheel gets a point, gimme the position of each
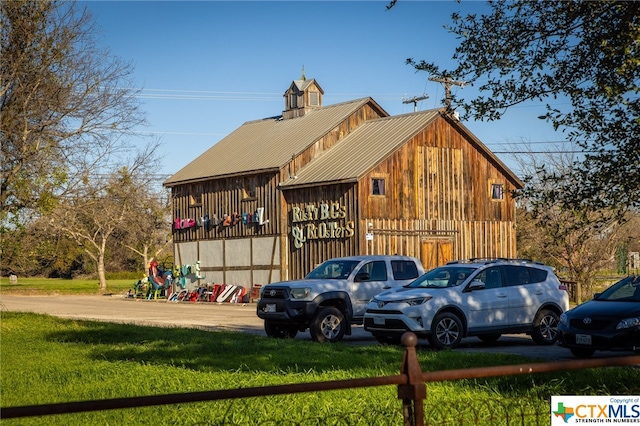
(280, 331)
(446, 331)
(545, 328)
(328, 325)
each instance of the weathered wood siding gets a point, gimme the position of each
(314, 238)
(228, 196)
(438, 197)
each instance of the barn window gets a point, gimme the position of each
(377, 186)
(249, 188)
(313, 99)
(293, 100)
(497, 191)
(195, 195)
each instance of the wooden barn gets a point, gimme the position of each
(279, 195)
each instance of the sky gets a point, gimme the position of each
(206, 67)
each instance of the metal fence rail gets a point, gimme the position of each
(179, 398)
(410, 382)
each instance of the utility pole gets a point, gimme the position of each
(447, 83)
(415, 100)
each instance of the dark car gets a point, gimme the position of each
(611, 321)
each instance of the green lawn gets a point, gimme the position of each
(47, 360)
(55, 286)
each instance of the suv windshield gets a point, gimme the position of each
(333, 269)
(443, 277)
(626, 290)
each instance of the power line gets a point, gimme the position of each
(528, 142)
(540, 152)
(218, 95)
(160, 132)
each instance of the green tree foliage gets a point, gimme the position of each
(64, 103)
(31, 250)
(580, 57)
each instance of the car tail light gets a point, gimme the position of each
(563, 287)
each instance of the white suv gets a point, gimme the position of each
(484, 298)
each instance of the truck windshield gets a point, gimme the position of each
(443, 277)
(333, 269)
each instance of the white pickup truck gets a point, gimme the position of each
(333, 296)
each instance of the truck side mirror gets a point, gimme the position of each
(362, 276)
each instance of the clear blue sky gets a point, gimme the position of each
(206, 67)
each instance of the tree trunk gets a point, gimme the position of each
(101, 271)
(578, 295)
(145, 256)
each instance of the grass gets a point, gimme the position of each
(47, 360)
(55, 286)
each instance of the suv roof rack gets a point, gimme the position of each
(494, 260)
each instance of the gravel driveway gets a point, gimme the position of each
(240, 317)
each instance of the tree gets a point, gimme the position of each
(579, 242)
(152, 236)
(64, 104)
(584, 52)
(579, 246)
(103, 208)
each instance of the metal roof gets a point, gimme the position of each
(373, 142)
(267, 144)
(363, 149)
(303, 84)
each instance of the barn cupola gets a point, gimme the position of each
(301, 97)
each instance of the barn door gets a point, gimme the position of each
(436, 252)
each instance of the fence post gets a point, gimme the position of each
(414, 391)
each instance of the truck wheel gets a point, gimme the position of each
(545, 328)
(328, 325)
(279, 331)
(446, 331)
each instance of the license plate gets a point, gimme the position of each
(270, 307)
(378, 321)
(583, 339)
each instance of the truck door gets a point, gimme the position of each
(369, 280)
